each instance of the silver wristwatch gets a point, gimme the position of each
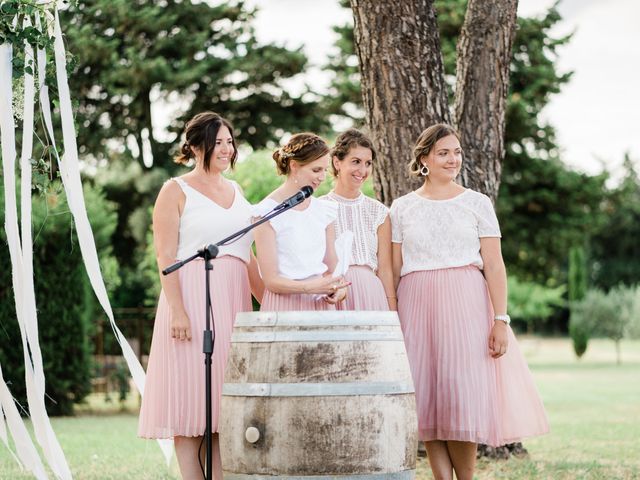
(503, 318)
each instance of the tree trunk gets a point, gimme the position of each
(404, 91)
(403, 86)
(482, 84)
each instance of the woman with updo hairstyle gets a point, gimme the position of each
(370, 272)
(296, 249)
(191, 211)
(471, 381)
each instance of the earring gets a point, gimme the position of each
(424, 170)
(295, 180)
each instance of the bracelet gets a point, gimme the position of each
(503, 318)
(392, 296)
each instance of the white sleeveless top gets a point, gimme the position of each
(362, 216)
(301, 239)
(203, 222)
(439, 234)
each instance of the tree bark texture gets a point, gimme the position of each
(482, 85)
(403, 85)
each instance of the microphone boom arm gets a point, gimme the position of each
(211, 251)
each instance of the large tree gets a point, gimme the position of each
(538, 193)
(615, 248)
(403, 83)
(404, 86)
(199, 56)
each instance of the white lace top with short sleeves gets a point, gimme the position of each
(203, 222)
(439, 234)
(362, 216)
(301, 240)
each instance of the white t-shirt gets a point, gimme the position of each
(362, 216)
(439, 234)
(301, 240)
(203, 222)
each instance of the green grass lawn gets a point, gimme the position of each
(593, 407)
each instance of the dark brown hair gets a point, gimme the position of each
(303, 148)
(201, 132)
(346, 141)
(425, 143)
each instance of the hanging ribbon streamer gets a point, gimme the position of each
(35, 395)
(23, 291)
(70, 171)
(25, 449)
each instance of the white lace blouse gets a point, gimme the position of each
(439, 234)
(362, 216)
(301, 239)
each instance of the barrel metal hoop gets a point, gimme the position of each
(316, 336)
(319, 319)
(316, 389)
(403, 475)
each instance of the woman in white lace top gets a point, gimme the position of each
(296, 249)
(370, 272)
(472, 382)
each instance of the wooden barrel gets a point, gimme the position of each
(320, 394)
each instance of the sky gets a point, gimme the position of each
(596, 115)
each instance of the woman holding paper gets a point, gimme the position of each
(296, 250)
(370, 272)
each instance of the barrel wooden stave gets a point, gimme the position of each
(323, 408)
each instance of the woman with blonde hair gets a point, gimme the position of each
(472, 382)
(296, 250)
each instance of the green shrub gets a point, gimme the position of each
(64, 299)
(533, 303)
(612, 315)
(577, 290)
(579, 336)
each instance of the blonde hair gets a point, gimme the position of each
(303, 148)
(425, 143)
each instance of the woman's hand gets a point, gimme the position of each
(338, 296)
(180, 325)
(498, 339)
(326, 285)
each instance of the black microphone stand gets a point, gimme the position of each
(208, 253)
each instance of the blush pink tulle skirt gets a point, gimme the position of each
(461, 392)
(365, 292)
(173, 403)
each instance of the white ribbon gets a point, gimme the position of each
(24, 300)
(28, 456)
(69, 167)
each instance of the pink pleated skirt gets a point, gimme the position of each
(461, 392)
(275, 302)
(173, 403)
(365, 292)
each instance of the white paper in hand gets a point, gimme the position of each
(344, 245)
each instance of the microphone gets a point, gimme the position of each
(299, 197)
